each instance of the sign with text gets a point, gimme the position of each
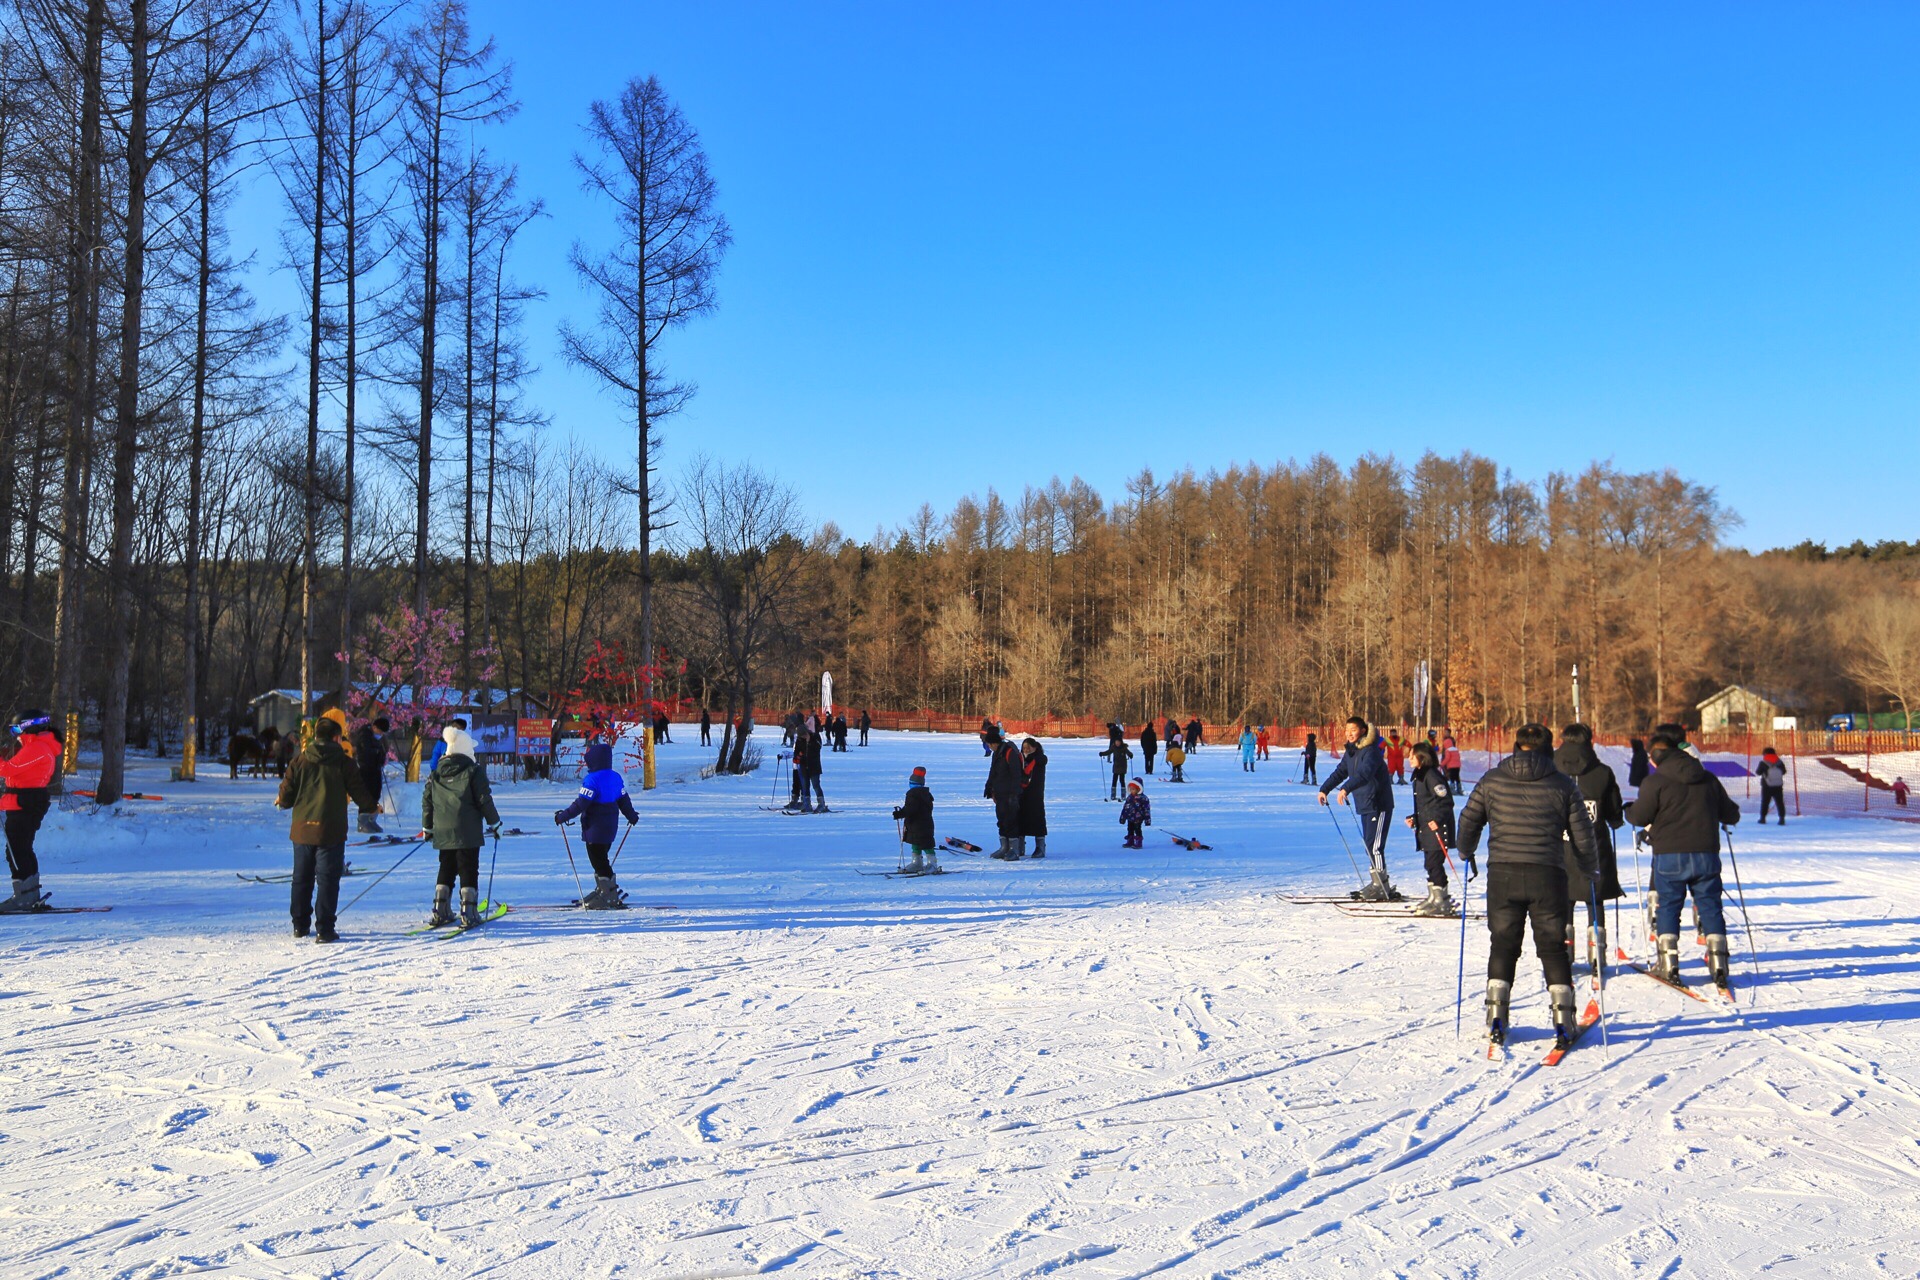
(536, 737)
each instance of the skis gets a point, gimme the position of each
(1187, 842)
(1395, 911)
(124, 795)
(1589, 1018)
(962, 846)
(1670, 983)
(575, 906)
(913, 875)
(286, 877)
(416, 838)
(45, 910)
(488, 911)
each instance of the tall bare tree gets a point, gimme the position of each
(647, 162)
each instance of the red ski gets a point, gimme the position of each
(955, 842)
(1188, 842)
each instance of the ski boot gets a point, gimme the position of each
(469, 907)
(932, 863)
(1005, 852)
(1438, 902)
(1560, 1001)
(26, 897)
(442, 906)
(1596, 948)
(1668, 968)
(1498, 994)
(606, 895)
(918, 867)
(369, 825)
(1039, 847)
(1718, 962)
(1379, 888)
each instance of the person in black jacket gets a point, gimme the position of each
(1309, 760)
(915, 816)
(866, 723)
(1432, 823)
(1120, 753)
(1149, 746)
(1532, 807)
(1195, 732)
(706, 727)
(1638, 767)
(370, 758)
(1033, 797)
(806, 760)
(1683, 808)
(1006, 779)
(1369, 789)
(1772, 772)
(1601, 790)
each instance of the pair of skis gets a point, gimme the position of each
(489, 911)
(1498, 1050)
(286, 877)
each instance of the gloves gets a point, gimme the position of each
(1473, 868)
(898, 813)
(494, 831)
(634, 821)
(559, 816)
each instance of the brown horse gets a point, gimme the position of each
(244, 748)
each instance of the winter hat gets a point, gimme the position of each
(1135, 785)
(919, 775)
(380, 723)
(1769, 754)
(599, 757)
(30, 719)
(459, 742)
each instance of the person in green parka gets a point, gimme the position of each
(318, 785)
(456, 810)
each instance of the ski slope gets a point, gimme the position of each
(1107, 1064)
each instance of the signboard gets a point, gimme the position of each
(535, 737)
(1786, 724)
(492, 735)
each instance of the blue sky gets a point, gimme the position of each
(982, 245)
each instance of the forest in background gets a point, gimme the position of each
(201, 501)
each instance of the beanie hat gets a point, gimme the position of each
(919, 774)
(459, 742)
(1135, 785)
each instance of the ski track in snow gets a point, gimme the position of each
(1109, 1064)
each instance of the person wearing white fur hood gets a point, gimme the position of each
(455, 805)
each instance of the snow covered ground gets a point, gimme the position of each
(1107, 1064)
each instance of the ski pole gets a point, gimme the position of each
(1753, 952)
(623, 843)
(1341, 832)
(382, 876)
(1640, 890)
(900, 854)
(571, 863)
(493, 863)
(1460, 981)
(1596, 911)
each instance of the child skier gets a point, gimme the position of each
(1899, 797)
(1136, 813)
(915, 816)
(453, 805)
(1176, 761)
(1396, 757)
(1247, 748)
(1120, 753)
(25, 777)
(1309, 754)
(601, 803)
(1432, 823)
(1262, 740)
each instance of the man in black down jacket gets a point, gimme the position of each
(1531, 807)
(1601, 790)
(1006, 779)
(1683, 808)
(370, 758)
(1033, 797)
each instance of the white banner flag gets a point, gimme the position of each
(826, 690)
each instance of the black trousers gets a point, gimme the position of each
(706, 735)
(373, 778)
(597, 855)
(1119, 783)
(1436, 858)
(1149, 756)
(1309, 770)
(316, 883)
(22, 825)
(1517, 893)
(464, 863)
(1775, 796)
(1006, 815)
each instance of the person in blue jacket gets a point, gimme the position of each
(602, 801)
(1363, 782)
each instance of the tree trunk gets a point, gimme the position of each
(310, 532)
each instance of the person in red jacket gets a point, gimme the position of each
(26, 775)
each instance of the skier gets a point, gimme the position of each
(989, 731)
(453, 805)
(1899, 797)
(840, 732)
(1683, 806)
(25, 777)
(1531, 807)
(317, 787)
(1249, 744)
(1261, 740)
(915, 814)
(1176, 761)
(1172, 734)
(789, 726)
(866, 723)
(1397, 758)
(1149, 746)
(1432, 823)
(1601, 790)
(1370, 792)
(1118, 752)
(1006, 778)
(1309, 757)
(1136, 813)
(706, 727)
(1033, 797)
(807, 745)
(1772, 772)
(370, 757)
(601, 803)
(1450, 761)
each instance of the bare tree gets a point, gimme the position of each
(670, 236)
(742, 557)
(1885, 654)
